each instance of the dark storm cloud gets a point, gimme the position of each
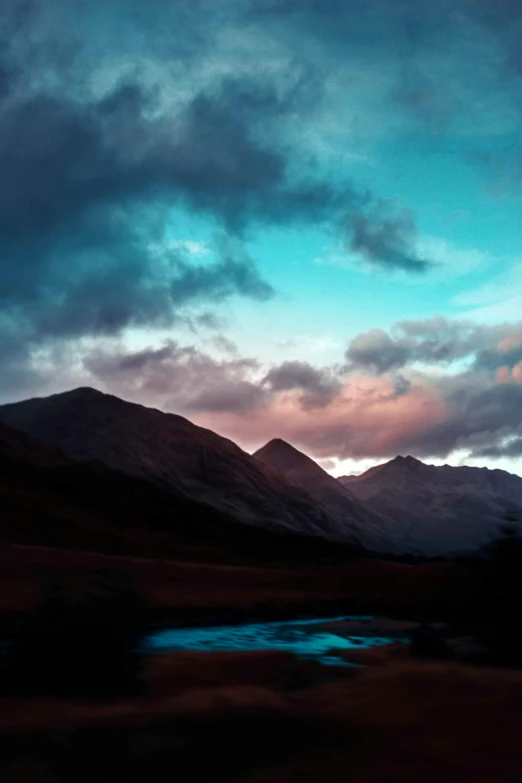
(90, 176)
(88, 182)
(319, 386)
(86, 188)
(386, 238)
(61, 157)
(97, 149)
(83, 197)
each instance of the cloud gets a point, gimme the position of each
(190, 380)
(386, 238)
(376, 351)
(507, 374)
(319, 385)
(113, 138)
(366, 418)
(436, 341)
(83, 208)
(328, 413)
(424, 98)
(182, 378)
(328, 464)
(223, 344)
(109, 135)
(511, 448)
(401, 384)
(378, 411)
(92, 170)
(90, 179)
(480, 419)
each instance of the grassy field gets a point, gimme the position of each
(189, 591)
(269, 718)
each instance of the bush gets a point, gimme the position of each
(80, 638)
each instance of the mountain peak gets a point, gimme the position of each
(170, 451)
(83, 391)
(403, 466)
(283, 456)
(407, 460)
(280, 445)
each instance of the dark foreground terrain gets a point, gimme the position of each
(267, 717)
(263, 716)
(61, 519)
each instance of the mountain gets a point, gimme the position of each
(370, 527)
(17, 446)
(50, 500)
(293, 463)
(190, 476)
(177, 455)
(440, 509)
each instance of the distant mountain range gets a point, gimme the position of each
(401, 507)
(440, 509)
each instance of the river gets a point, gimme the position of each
(314, 638)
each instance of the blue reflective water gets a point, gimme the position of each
(301, 637)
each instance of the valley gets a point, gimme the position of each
(241, 580)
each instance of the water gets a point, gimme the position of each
(301, 637)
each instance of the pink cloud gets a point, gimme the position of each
(517, 373)
(366, 417)
(510, 342)
(505, 375)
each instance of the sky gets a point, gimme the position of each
(278, 218)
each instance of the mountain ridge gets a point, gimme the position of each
(370, 525)
(400, 507)
(171, 451)
(441, 509)
(53, 502)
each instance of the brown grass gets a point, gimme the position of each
(183, 589)
(180, 671)
(403, 722)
